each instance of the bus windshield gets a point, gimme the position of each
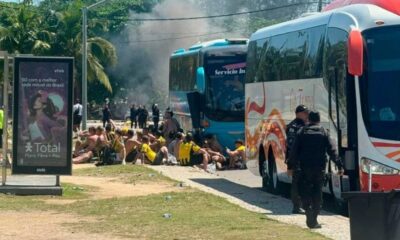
(381, 83)
(225, 74)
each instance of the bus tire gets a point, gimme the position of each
(273, 180)
(262, 161)
(273, 184)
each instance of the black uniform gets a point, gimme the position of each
(133, 116)
(156, 117)
(291, 131)
(106, 116)
(308, 153)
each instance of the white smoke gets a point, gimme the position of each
(145, 48)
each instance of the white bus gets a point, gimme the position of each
(343, 62)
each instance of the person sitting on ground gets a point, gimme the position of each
(149, 156)
(118, 146)
(170, 125)
(158, 142)
(131, 147)
(146, 132)
(102, 137)
(85, 151)
(80, 144)
(214, 150)
(110, 134)
(173, 147)
(238, 155)
(104, 145)
(187, 151)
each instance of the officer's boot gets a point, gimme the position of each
(312, 215)
(309, 217)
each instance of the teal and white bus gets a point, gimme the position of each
(206, 88)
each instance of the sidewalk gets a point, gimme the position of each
(231, 185)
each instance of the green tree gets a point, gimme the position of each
(21, 31)
(67, 26)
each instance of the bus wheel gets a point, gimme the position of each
(273, 184)
(264, 174)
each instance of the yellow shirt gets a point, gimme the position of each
(150, 154)
(184, 151)
(162, 141)
(241, 148)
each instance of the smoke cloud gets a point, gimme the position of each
(144, 49)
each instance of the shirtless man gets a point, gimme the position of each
(84, 151)
(214, 149)
(131, 147)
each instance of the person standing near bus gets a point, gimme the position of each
(133, 115)
(106, 115)
(155, 115)
(291, 130)
(77, 115)
(308, 154)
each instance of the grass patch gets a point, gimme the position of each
(127, 174)
(195, 215)
(72, 191)
(26, 203)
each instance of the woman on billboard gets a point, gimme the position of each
(43, 121)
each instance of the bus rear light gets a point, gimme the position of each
(377, 168)
(205, 123)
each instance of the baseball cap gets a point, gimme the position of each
(301, 108)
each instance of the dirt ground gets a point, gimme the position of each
(51, 225)
(45, 225)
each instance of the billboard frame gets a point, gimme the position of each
(42, 170)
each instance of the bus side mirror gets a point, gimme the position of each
(195, 103)
(355, 56)
(201, 80)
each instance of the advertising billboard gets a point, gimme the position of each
(42, 117)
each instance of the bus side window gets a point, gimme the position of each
(335, 76)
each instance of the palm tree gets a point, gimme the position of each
(29, 30)
(68, 42)
(101, 53)
(21, 32)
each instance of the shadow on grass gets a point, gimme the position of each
(272, 204)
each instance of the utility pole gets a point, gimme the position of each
(84, 68)
(319, 5)
(84, 63)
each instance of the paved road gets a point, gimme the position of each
(242, 188)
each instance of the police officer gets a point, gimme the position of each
(291, 130)
(308, 152)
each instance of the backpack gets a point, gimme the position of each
(108, 156)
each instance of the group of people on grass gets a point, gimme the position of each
(166, 144)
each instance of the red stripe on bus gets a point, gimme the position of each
(257, 108)
(383, 144)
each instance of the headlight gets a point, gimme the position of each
(377, 168)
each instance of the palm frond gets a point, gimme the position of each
(39, 46)
(96, 72)
(108, 53)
